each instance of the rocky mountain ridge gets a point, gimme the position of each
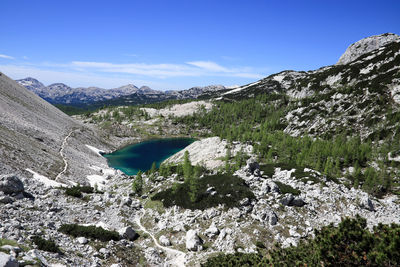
(59, 93)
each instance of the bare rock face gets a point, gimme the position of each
(10, 184)
(367, 45)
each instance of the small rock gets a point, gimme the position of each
(164, 241)
(287, 199)
(6, 199)
(244, 202)
(297, 202)
(82, 240)
(104, 251)
(366, 203)
(252, 166)
(193, 241)
(212, 230)
(126, 201)
(210, 190)
(128, 233)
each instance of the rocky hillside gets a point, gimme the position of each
(39, 137)
(359, 94)
(59, 93)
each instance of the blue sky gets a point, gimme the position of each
(179, 44)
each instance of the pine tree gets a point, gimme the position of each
(187, 166)
(137, 185)
(227, 158)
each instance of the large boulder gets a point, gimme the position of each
(290, 200)
(128, 233)
(193, 241)
(10, 184)
(7, 260)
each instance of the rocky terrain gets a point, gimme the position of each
(44, 154)
(347, 97)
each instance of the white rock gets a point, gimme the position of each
(193, 241)
(7, 260)
(212, 230)
(164, 241)
(82, 240)
(366, 45)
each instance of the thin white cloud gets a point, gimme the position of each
(108, 75)
(209, 65)
(6, 57)
(72, 78)
(190, 69)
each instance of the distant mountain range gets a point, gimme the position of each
(59, 93)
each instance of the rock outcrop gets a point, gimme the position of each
(11, 184)
(193, 241)
(367, 45)
(7, 260)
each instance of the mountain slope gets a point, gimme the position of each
(360, 96)
(33, 132)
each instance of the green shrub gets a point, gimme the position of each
(77, 190)
(349, 244)
(46, 245)
(95, 232)
(73, 192)
(230, 190)
(284, 188)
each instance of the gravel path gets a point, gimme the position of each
(177, 257)
(62, 155)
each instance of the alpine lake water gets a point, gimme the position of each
(141, 156)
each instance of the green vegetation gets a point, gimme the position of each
(260, 121)
(76, 191)
(285, 188)
(137, 184)
(95, 232)
(229, 191)
(46, 245)
(349, 244)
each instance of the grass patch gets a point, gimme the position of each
(229, 191)
(45, 245)
(155, 205)
(95, 232)
(285, 188)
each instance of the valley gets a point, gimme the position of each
(275, 166)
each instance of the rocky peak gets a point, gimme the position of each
(31, 84)
(367, 45)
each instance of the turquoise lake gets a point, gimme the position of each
(141, 156)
